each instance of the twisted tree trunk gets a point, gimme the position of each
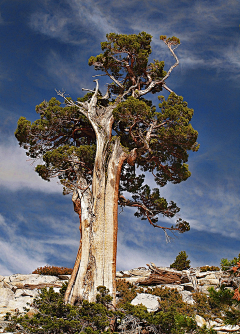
(98, 209)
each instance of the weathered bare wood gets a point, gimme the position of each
(160, 276)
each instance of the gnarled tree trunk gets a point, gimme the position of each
(98, 209)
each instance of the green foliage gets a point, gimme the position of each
(103, 296)
(181, 262)
(219, 298)
(233, 312)
(171, 299)
(65, 137)
(126, 292)
(219, 303)
(232, 316)
(227, 264)
(174, 316)
(52, 270)
(120, 51)
(53, 316)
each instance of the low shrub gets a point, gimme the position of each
(126, 292)
(209, 268)
(53, 316)
(218, 298)
(227, 264)
(171, 299)
(53, 271)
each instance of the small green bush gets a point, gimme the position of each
(181, 262)
(220, 297)
(227, 264)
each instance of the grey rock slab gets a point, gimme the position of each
(150, 301)
(227, 328)
(211, 276)
(208, 281)
(140, 272)
(25, 292)
(1, 278)
(119, 274)
(134, 279)
(5, 296)
(187, 297)
(201, 275)
(171, 286)
(20, 303)
(20, 277)
(41, 279)
(200, 320)
(125, 272)
(31, 279)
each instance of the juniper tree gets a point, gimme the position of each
(181, 262)
(98, 144)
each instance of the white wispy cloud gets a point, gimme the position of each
(23, 253)
(68, 73)
(17, 172)
(73, 26)
(15, 254)
(85, 23)
(208, 207)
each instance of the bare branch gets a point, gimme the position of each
(132, 89)
(161, 82)
(106, 96)
(88, 90)
(78, 104)
(114, 79)
(93, 101)
(169, 45)
(167, 88)
(162, 227)
(99, 75)
(128, 202)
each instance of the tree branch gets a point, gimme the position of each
(114, 79)
(93, 101)
(72, 103)
(161, 82)
(128, 202)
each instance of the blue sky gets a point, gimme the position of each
(45, 45)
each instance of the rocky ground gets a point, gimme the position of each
(18, 290)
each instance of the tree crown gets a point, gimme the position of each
(156, 140)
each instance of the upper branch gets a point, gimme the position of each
(93, 101)
(169, 42)
(82, 106)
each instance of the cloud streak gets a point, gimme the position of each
(17, 173)
(204, 30)
(24, 253)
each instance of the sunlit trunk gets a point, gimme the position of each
(96, 260)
